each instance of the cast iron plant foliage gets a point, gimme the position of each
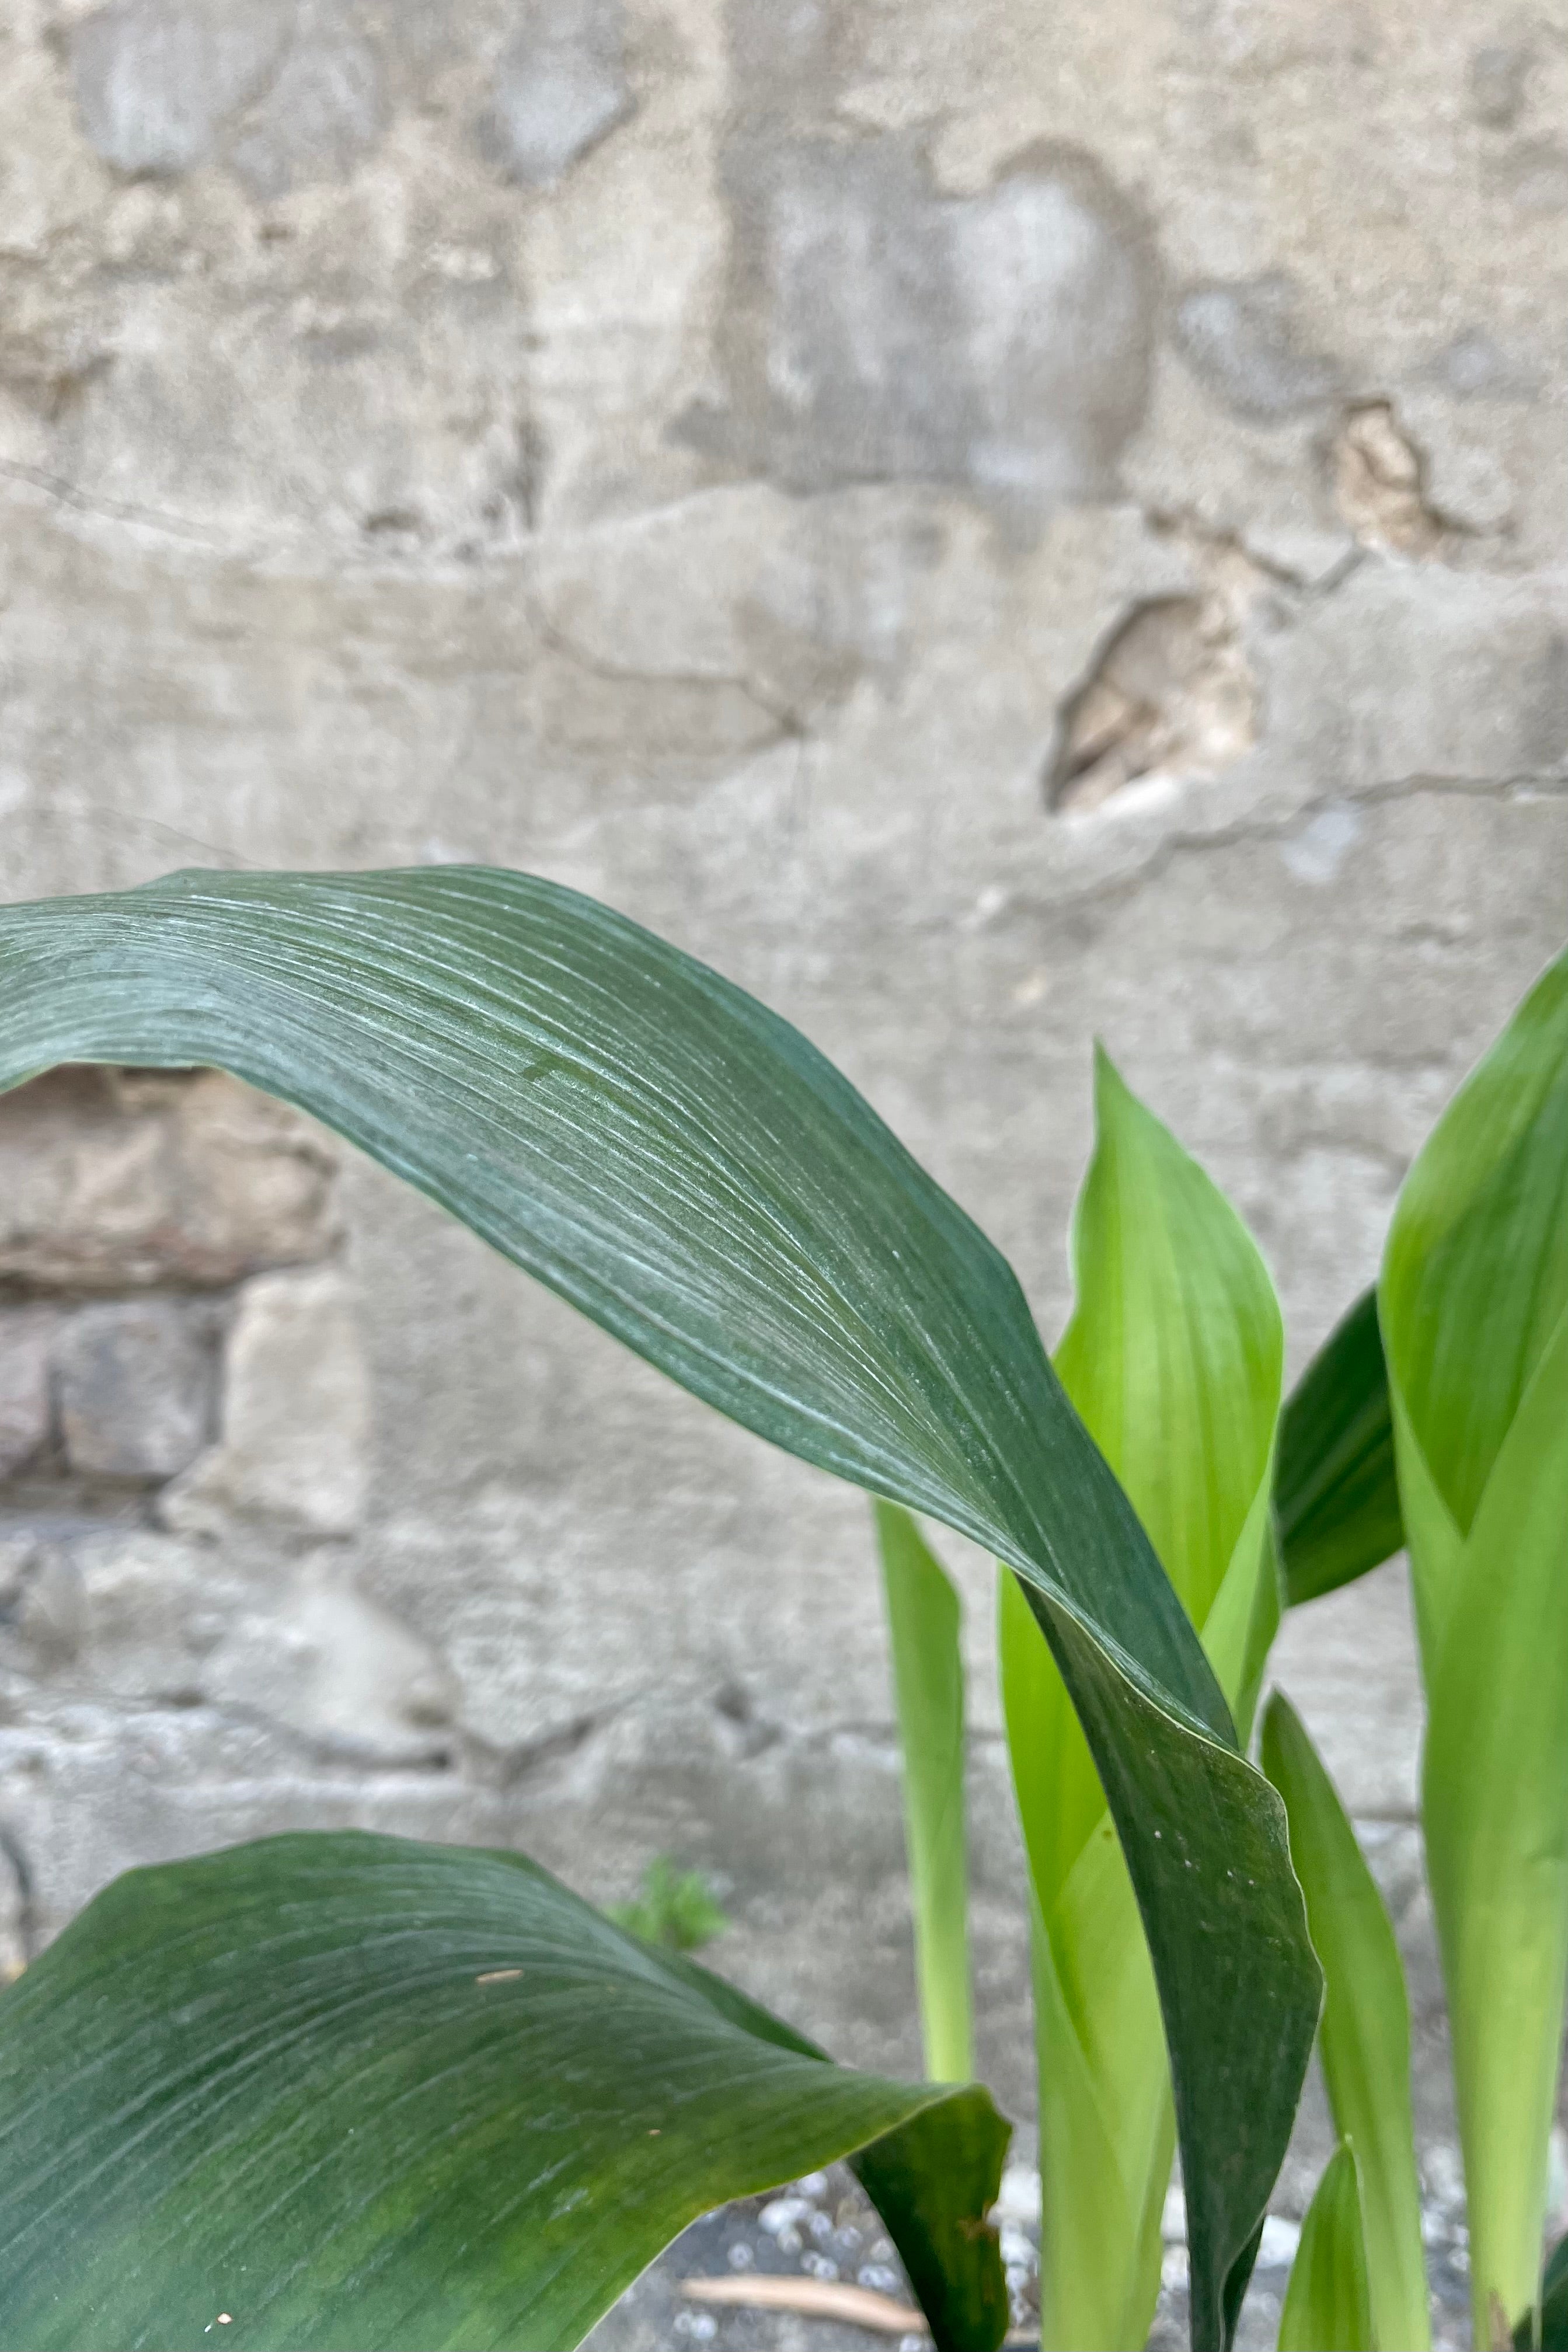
(1173, 1358)
(1437, 1417)
(1456, 1441)
(353, 2092)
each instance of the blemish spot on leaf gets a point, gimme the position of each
(499, 1976)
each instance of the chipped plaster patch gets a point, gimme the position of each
(1379, 481)
(1172, 695)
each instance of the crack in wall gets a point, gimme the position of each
(788, 725)
(1127, 883)
(67, 493)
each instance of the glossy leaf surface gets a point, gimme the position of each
(684, 1167)
(1474, 1304)
(1336, 1492)
(354, 2091)
(1365, 2037)
(923, 1626)
(1327, 2304)
(1173, 1358)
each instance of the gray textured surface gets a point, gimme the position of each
(739, 461)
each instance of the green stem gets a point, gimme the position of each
(924, 1621)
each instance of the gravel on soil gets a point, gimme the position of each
(824, 2227)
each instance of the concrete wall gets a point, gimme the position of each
(993, 524)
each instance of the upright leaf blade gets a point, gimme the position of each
(1495, 1806)
(1336, 1491)
(923, 1622)
(682, 1166)
(1173, 1358)
(1474, 1304)
(1176, 1331)
(1327, 2304)
(1365, 2037)
(1475, 1280)
(355, 2091)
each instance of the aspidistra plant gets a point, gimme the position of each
(1173, 1358)
(346, 2092)
(1437, 1416)
(1474, 1308)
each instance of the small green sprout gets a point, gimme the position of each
(677, 1909)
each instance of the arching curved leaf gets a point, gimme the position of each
(341, 2090)
(684, 1167)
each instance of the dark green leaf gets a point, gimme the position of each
(1554, 2337)
(353, 2092)
(1335, 1490)
(684, 1168)
(934, 2179)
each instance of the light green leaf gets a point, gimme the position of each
(1474, 1303)
(1475, 1281)
(923, 1620)
(1365, 2037)
(1336, 1492)
(355, 2091)
(1173, 1357)
(1327, 2308)
(682, 1166)
(1494, 1806)
(1176, 1331)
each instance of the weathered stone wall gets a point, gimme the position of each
(990, 523)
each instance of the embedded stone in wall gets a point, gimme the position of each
(26, 1336)
(135, 1387)
(324, 109)
(1245, 342)
(115, 1181)
(1498, 76)
(331, 1665)
(155, 79)
(1474, 366)
(43, 1609)
(295, 1432)
(882, 330)
(560, 88)
(153, 1609)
